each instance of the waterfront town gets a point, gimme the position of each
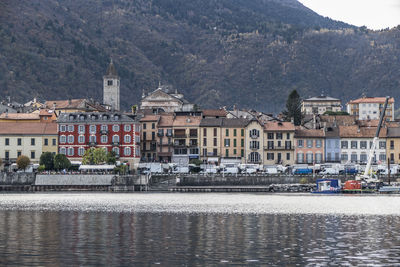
(164, 127)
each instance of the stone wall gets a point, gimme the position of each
(17, 178)
(60, 179)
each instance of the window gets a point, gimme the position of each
(391, 144)
(254, 157)
(104, 128)
(70, 139)
(104, 139)
(127, 128)
(153, 135)
(234, 151)
(353, 144)
(215, 141)
(354, 157)
(300, 143)
(345, 144)
(254, 133)
(92, 129)
(115, 139)
(116, 150)
(63, 139)
(144, 126)
(345, 157)
(7, 155)
(288, 137)
(227, 142)
(227, 132)
(278, 135)
(109, 82)
(287, 156)
(54, 142)
(242, 132)
(382, 157)
(153, 125)
(318, 143)
(204, 131)
(32, 141)
(204, 152)
(81, 129)
(215, 131)
(81, 151)
(19, 153)
(7, 141)
(226, 152)
(62, 128)
(46, 142)
(137, 139)
(234, 132)
(254, 145)
(92, 139)
(309, 143)
(234, 142)
(242, 142)
(309, 157)
(270, 156)
(363, 145)
(63, 150)
(115, 128)
(382, 144)
(70, 128)
(127, 138)
(19, 141)
(270, 144)
(81, 139)
(270, 135)
(127, 151)
(318, 157)
(288, 144)
(363, 157)
(204, 141)
(242, 153)
(33, 154)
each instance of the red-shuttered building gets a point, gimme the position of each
(113, 131)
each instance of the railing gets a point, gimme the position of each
(254, 148)
(115, 143)
(92, 143)
(279, 147)
(103, 131)
(159, 134)
(179, 144)
(254, 136)
(179, 135)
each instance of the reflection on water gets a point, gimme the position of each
(73, 238)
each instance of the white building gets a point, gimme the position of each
(320, 105)
(355, 143)
(369, 108)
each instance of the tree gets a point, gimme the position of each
(293, 108)
(94, 156)
(23, 162)
(47, 159)
(61, 162)
(111, 158)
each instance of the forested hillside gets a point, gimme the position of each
(218, 52)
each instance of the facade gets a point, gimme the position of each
(279, 143)
(233, 140)
(332, 144)
(369, 108)
(355, 142)
(309, 145)
(320, 105)
(254, 142)
(393, 145)
(163, 100)
(111, 94)
(210, 140)
(186, 139)
(165, 146)
(149, 125)
(115, 131)
(30, 139)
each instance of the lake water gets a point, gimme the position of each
(172, 229)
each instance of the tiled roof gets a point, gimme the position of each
(235, 123)
(322, 98)
(214, 113)
(150, 118)
(28, 128)
(180, 121)
(46, 112)
(339, 119)
(279, 126)
(62, 104)
(19, 116)
(211, 122)
(90, 117)
(303, 132)
(166, 120)
(393, 132)
(371, 100)
(354, 131)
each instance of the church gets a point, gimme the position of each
(111, 94)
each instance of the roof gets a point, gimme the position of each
(19, 116)
(46, 112)
(28, 128)
(186, 121)
(235, 123)
(214, 113)
(322, 98)
(111, 71)
(371, 100)
(279, 126)
(4, 108)
(95, 117)
(150, 118)
(331, 132)
(339, 119)
(166, 120)
(354, 131)
(303, 132)
(73, 104)
(393, 132)
(211, 122)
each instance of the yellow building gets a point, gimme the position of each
(210, 140)
(186, 139)
(30, 139)
(393, 145)
(149, 126)
(279, 143)
(254, 142)
(233, 138)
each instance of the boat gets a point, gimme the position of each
(328, 186)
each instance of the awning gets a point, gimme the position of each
(213, 159)
(96, 167)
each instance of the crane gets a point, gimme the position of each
(367, 177)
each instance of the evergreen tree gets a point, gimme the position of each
(61, 162)
(47, 159)
(293, 108)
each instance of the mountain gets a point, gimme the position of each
(251, 53)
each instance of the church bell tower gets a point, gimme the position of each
(111, 87)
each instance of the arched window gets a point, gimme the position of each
(63, 150)
(127, 151)
(115, 138)
(70, 151)
(81, 151)
(70, 139)
(63, 139)
(104, 139)
(92, 129)
(116, 150)
(127, 138)
(127, 128)
(254, 157)
(81, 139)
(115, 128)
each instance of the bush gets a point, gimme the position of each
(41, 168)
(47, 160)
(23, 162)
(304, 180)
(61, 162)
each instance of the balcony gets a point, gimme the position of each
(179, 144)
(179, 135)
(193, 144)
(278, 147)
(115, 143)
(254, 147)
(160, 134)
(92, 143)
(104, 131)
(168, 134)
(253, 136)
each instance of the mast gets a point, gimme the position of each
(366, 174)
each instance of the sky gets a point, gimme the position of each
(375, 14)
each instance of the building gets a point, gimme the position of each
(165, 146)
(186, 139)
(393, 145)
(355, 142)
(30, 139)
(332, 144)
(74, 105)
(233, 140)
(210, 140)
(254, 142)
(279, 143)
(164, 100)
(115, 131)
(149, 141)
(369, 108)
(320, 105)
(111, 94)
(309, 145)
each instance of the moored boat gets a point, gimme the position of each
(328, 186)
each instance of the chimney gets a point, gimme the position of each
(6, 112)
(69, 101)
(54, 105)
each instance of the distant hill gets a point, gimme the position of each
(217, 52)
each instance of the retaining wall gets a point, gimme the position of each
(17, 178)
(71, 180)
